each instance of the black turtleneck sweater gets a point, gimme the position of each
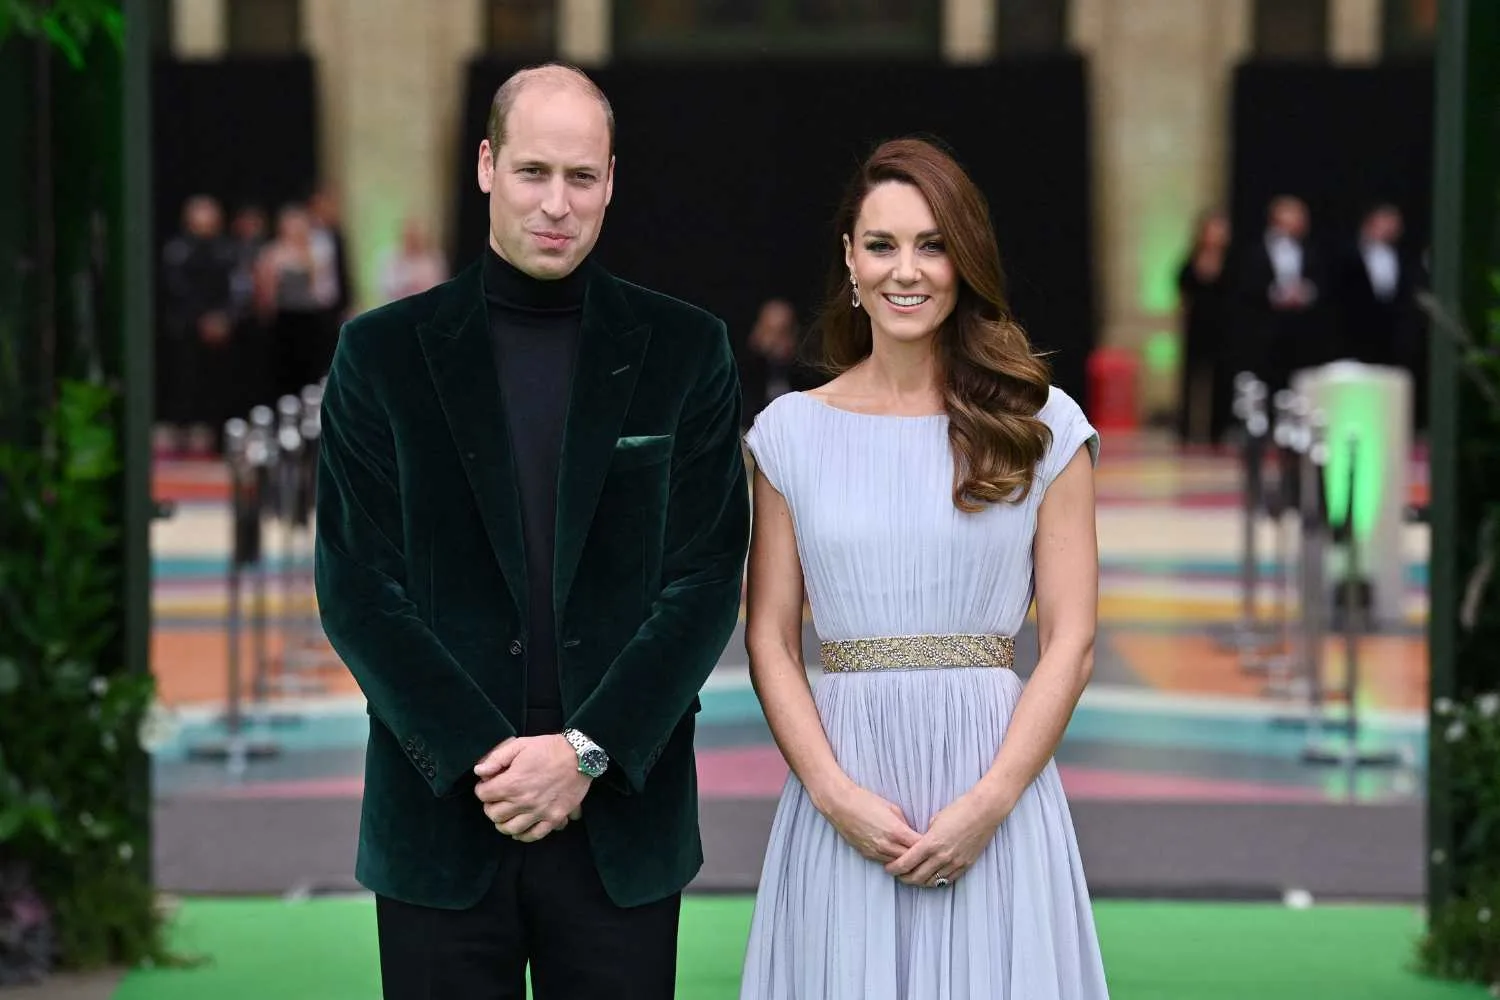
(534, 331)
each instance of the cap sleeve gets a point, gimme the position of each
(764, 439)
(1071, 430)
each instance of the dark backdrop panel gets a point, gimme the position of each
(1341, 138)
(728, 176)
(242, 129)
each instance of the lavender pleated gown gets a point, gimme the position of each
(885, 553)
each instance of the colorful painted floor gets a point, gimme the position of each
(1173, 715)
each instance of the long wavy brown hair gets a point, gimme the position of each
(993, 381)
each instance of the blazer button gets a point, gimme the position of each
(515, 647)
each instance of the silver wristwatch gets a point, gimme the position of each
(592, 760)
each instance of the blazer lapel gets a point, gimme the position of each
(461, 362)
(611, 346)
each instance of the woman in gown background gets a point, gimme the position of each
(922, 848)
(1206, 384)
(294, 289)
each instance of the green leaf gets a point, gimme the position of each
(45, 818)
(10, 678)
(71, 676)
(113, 23)
(21, 17)
(64, 42)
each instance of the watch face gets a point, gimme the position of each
(593, 761)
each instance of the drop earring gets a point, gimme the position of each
(855, 285)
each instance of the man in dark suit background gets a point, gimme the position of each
(771, 363)
(1280, 291)
(532, 525)
(1380, 322)
(1376, 295)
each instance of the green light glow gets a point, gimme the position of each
(1161, 353)
(1354, 411)
(380, 213)
(1164, 236)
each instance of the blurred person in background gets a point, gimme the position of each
(413, 265)
(195, 370)
(1376, 290)
(530, 799)
(1280, 286)
(292, 278)
(1206, 381)
(248, 234)
(334, 287)
(1380, 321)
(769, 364)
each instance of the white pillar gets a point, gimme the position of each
(583, 32)
(200, 29)
(390, 90)
(968, 31)
(1159, 73)
(1354, 31)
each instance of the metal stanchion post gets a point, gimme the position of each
(297, 659)
(315, 643)
(1278, 666)
(1305, 679)
(288, 471)
(312, 428)
(1314, 535)
(1354, 611)
(1249, 633)
(260, 452)
(235, 747)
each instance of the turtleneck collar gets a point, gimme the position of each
(507, 287)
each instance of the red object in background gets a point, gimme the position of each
(1114, 384)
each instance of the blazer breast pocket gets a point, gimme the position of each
(642, 450)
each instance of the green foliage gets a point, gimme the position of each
(68, 24)
(1463, 937)
(74, 814)
(72, 717)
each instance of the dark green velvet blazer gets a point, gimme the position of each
(421, 579)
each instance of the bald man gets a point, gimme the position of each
(532, 526)
(1280, 320)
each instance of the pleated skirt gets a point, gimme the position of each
(831, 925)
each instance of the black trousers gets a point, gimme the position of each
(546, 909)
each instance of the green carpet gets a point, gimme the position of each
(325, 950)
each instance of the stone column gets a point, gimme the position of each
(584, 31)
(200, 29)
(1354, 31)
(1159, 73)
(390, 77)
(968, 31)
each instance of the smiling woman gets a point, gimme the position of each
(921, 272)
(918, 502)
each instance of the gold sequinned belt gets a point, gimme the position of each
(904, 652)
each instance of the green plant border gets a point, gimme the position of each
(69, 25)
(1462, 938)
(70, 817)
